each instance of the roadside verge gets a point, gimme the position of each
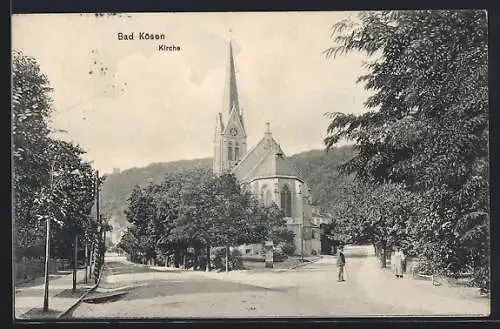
(79, 300)
(305, 263)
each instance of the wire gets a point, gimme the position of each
(81, 102)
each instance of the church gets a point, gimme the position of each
(263, 169)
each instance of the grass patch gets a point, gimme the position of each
(98, 297)
(38, 313)
(68, 293)
(36, 281)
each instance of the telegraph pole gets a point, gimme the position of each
(47, 247)
(105, 225)
(98, 217)
(98, 220)
(75, 263)
(91, 258)
(302, 240)
(86, 260)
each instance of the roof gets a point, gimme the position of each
(266, 159)
(231, 90)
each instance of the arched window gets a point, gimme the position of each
(262, 190)
(269, 198)
(286, 201)
(230, 151)
(236, 151)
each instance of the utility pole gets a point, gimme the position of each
(86, 260)
(47, 247)
(302, 239)
(92, 253)
(98, 216)
(75, 262)
(91, 258)
(227, 244)
(105, 222)
(227, 258)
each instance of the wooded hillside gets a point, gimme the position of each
(319, 169)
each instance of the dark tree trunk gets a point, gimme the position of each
(184, 258)
(196, 258)
(383, 255)
(208, 258)
(177, 257)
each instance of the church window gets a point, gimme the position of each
(269, 199)
(286, 201)
(230, 151)
(262, 193)
(236, 151)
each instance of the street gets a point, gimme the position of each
(308, 291)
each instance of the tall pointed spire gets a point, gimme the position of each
(231, 92)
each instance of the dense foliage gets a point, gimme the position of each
(427, 127)
(196, 210)
(50, 179)
(31, 106)
(382, 215)
(320, 170)
(317, 168)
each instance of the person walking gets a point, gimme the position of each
(340, 265)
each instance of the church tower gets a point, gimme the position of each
(230, 140)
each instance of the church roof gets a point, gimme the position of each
(230, 100)
(266, 159)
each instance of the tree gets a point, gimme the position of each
(267, 223)
(428, 125)
(141, 214)
(129, 243)
(73, 197)
(199, 210)
(31, 106)
(170, 216)
(51, 181)
(381, 215)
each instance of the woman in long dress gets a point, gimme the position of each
(398, 263)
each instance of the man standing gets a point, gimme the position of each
(341, 264)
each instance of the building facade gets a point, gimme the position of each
(264, 169)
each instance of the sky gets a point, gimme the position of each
(128, 104)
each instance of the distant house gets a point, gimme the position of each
(264, 169)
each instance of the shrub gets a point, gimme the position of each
(255, 259)
(235, 260)
(288, 248)
(279, 257)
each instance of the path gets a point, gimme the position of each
(309, 291)
(28, 299)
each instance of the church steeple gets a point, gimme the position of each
(230, 143)
(231, 92)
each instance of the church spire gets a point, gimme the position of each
(231, 92)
